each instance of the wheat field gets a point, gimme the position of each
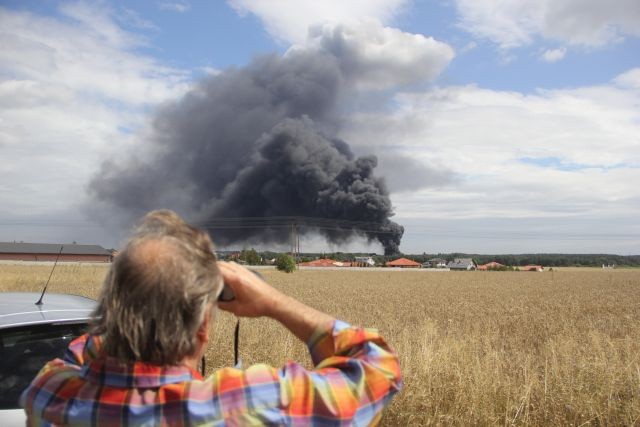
(476, 348)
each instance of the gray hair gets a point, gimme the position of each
(157, 291)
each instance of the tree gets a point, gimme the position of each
(285, 263)
(250, 256)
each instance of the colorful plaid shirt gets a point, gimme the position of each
(355, 376)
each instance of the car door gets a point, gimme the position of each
(23, 352)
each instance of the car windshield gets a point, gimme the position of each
(25, 350)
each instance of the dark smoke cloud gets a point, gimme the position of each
(254, 142)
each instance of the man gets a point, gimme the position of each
(138, 364)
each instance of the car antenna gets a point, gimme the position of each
(50, 274)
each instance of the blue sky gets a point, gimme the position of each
(521, 115)
(213, 34)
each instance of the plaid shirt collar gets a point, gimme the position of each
(109, 371)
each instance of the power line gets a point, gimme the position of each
(334, 224)
(275, 222)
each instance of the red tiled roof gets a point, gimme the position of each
(402, 262)
(325, 262)
(532, 268)
(489, 265)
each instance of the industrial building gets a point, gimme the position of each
(13, 251)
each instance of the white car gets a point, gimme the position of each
(30, 336)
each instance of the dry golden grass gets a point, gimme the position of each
(477, 348)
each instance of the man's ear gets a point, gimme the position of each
(203, 330)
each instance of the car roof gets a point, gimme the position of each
(20, 309)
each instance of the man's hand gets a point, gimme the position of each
(255, 298)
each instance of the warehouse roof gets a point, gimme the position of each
(51, 248)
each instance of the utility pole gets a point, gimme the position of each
(298, 245)
(294, 232)
(295, 242)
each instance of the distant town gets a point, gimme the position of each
(72, 252)
(441, 261)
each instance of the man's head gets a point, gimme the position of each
(159, 290)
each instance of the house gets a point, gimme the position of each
(324, 262)
(228, 255)
(462, 264)
(531, 268)
(364, 261)
(435, 263)
(342, 264)
(12, 251)
(403, 263)
(491, 266)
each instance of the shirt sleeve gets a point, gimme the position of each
(356, 374)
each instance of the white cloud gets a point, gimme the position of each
(289, 20)
(376, 56)
(211, 71)
(630, 79)
(92, 54)
(554, 55)
(175, 6)
(379, 57)
(557, 157)
(514, 23)
(70, 91)
(469, 47)
(132, 18)
(98, 21)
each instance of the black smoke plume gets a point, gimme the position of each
(256, 142)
